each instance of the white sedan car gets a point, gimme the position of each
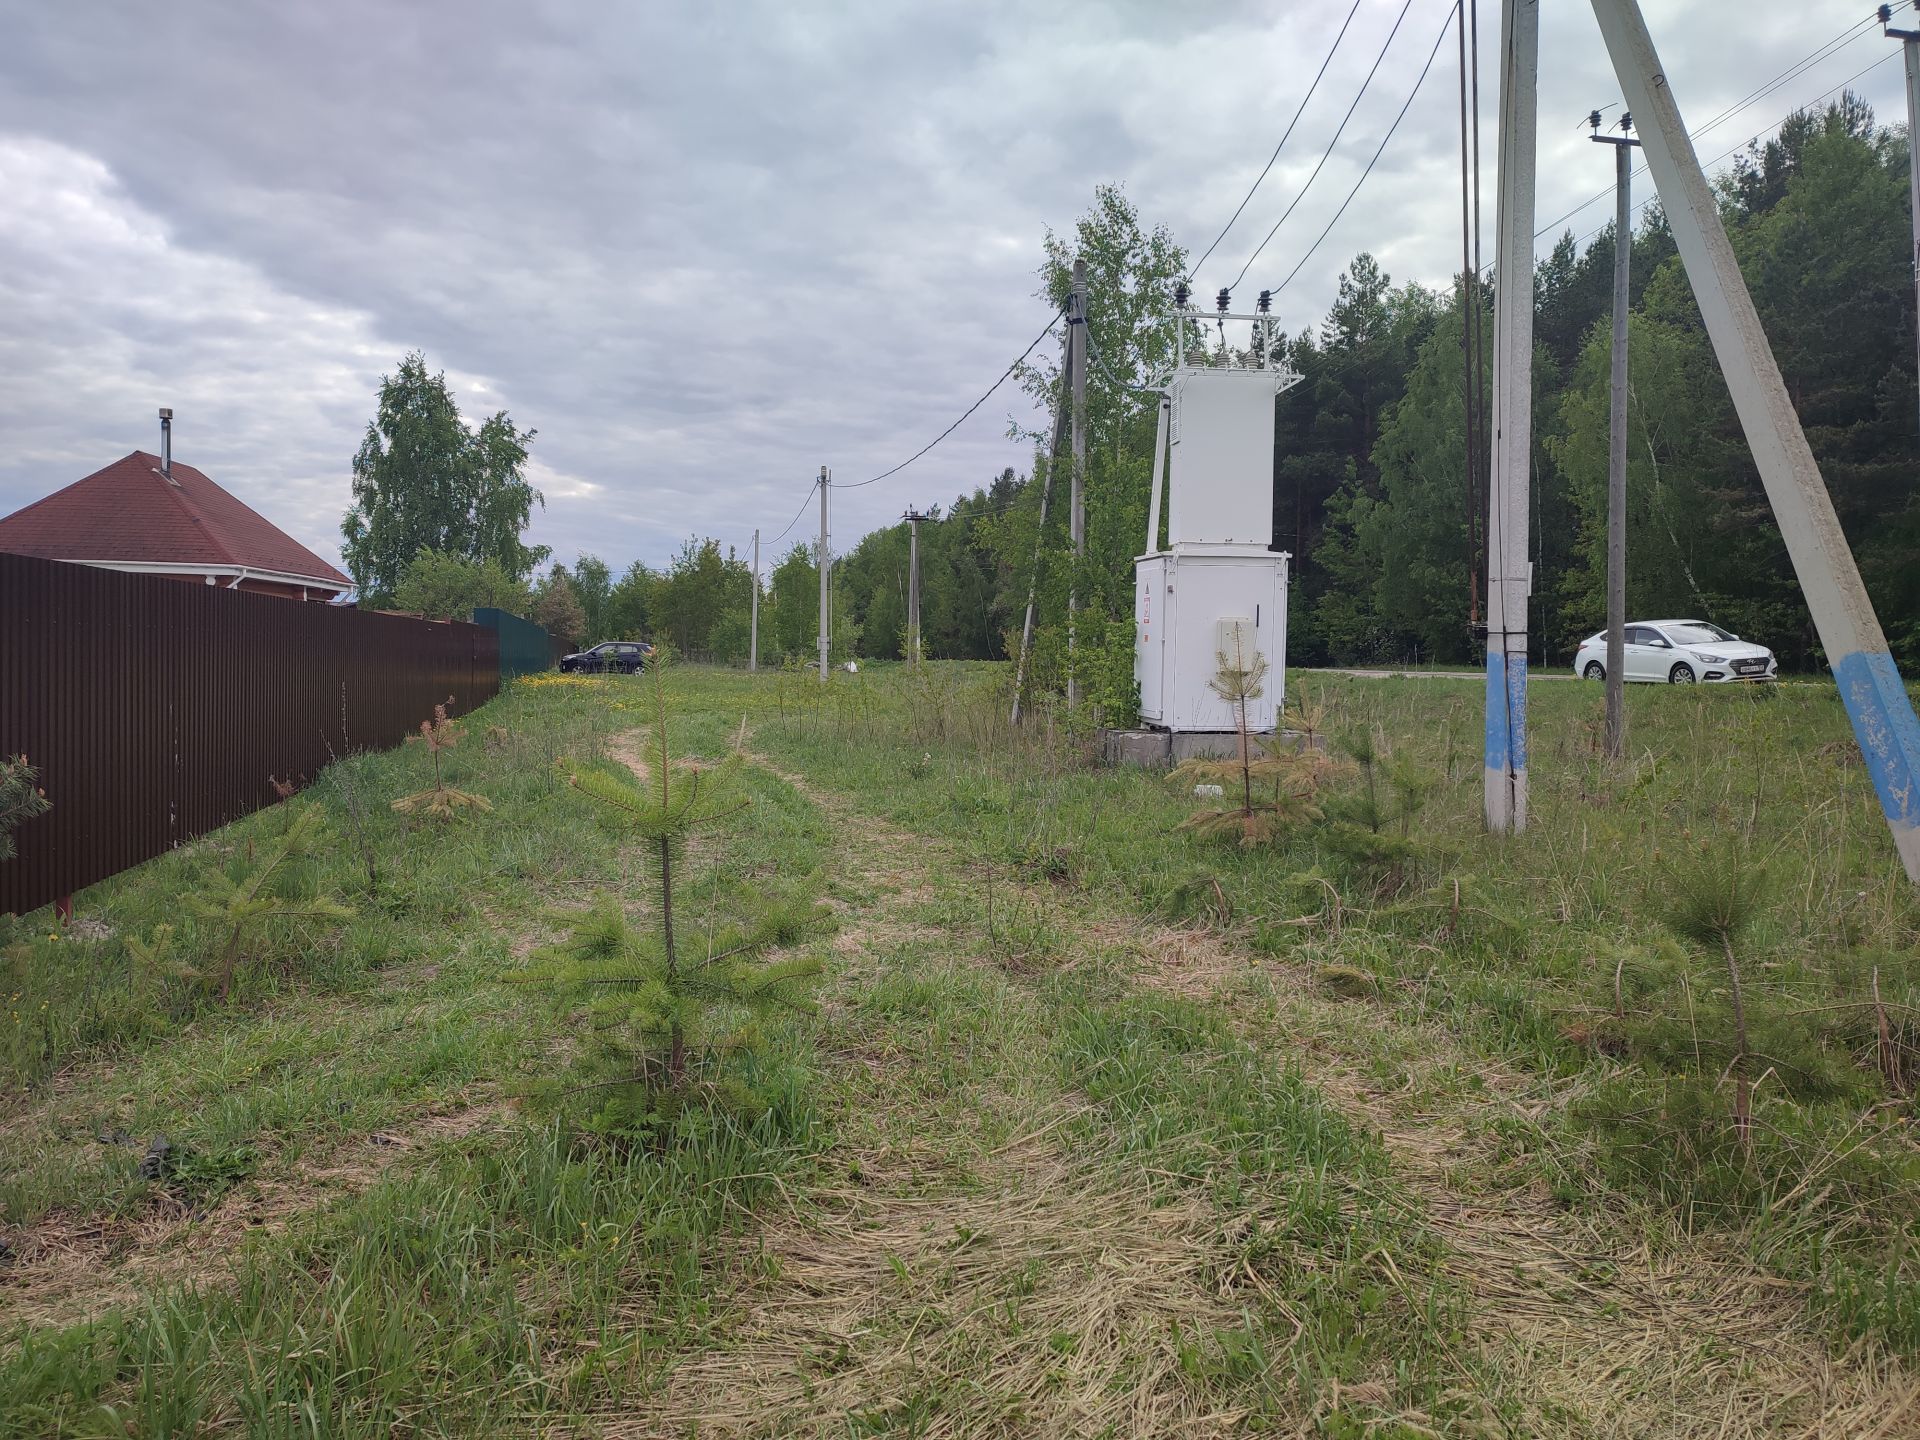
(1677, 652)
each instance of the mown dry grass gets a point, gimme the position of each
(67, 1268)
(1045, 1299)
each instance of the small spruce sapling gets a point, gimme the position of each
(663, 1007)
(1358, 831)
(20, 799)
(240, 907)
(442, 802)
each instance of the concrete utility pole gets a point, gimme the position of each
(826, 565)
(1509, 578)
(1870, 685)
(1469, 327)
(913, 518)
(753, 640)
(1623, 147)
(1910, 42)
(1077, 514)
(1040, 535)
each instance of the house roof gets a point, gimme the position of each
(129, 513)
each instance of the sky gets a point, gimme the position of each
(705, 249)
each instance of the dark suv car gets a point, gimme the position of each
(612, 657)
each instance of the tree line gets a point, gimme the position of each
(1371, 492)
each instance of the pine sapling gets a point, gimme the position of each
(241, 908)
(442, 802)
(20, 799)
(1262, 815)
(661, 1007)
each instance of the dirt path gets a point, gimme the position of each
(1606, 1335)
(1689, 1339)
(67, 1268)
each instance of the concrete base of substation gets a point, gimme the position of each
(1163, 749)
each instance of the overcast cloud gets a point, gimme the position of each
(704, 249)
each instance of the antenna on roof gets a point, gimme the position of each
(166, 442)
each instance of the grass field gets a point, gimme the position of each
(1390, 1128)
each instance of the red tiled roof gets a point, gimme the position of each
(128, 512)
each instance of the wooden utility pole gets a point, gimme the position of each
(1509, 578)
(1869, 682)
(753, 641)
(826, 565)
(1616, 681)
(913, 519)
(1077, 514)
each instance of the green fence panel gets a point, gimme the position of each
(525, 648)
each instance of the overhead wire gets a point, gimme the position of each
(1853, 32)
(1241, 207)
(796, 515)
(1327, 154)
(1344, 364)
(1004, 377)
(1379, 150)
(1752, 139)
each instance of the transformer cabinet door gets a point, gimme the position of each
(1150, 621)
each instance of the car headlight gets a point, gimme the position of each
(1709, 659)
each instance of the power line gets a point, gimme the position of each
(1754, 139)
(1325, 365)
(796, 516)
(1281, 146)
(1100, 364)
(1005, 375)
(1857, 32)
(1327, 154)
(1444, 27)
(1853, 32)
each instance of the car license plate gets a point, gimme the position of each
(1748, 667)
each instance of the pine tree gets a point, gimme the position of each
(1261, 816)
(20, 799)
(662, 1008)
(442, 802)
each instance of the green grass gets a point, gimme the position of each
(1009, 1123)
(1524, 961)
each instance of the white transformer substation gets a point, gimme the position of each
(1218, 587)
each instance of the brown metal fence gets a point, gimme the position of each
(155, 709)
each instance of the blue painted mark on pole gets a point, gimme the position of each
(1517, 713)
(1889, 735)
(1506, 712)
(1496, 758)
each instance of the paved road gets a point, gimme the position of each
(1439, 674)
(1479, 675)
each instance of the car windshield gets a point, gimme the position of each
(1697, 633)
